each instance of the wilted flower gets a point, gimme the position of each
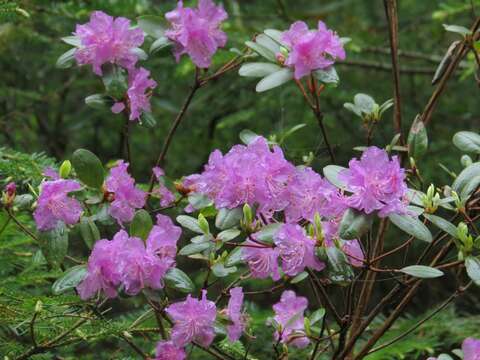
(296, 250)
(165, 195)
(196, 32)
(138, 93)
(55, 206)
(289, 314)
(166, 350)
(376, 183)
(127, 197)
(311, 50)
(107, 40)
(193, 321)
(309, 194)
(234, 313)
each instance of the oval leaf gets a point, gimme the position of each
(89, 168)
(467, 141)
(177, 279)
(190, 223)
(262, 50)
(442, 224)
(89, 231)
(258, 69)
(70, 279)
(473, 269)
(54, 244)
(331, 173)
(465, 176)
(417, 139)
(421, 271)
(411, 226)
(354, 224)
(141, 224)
(228, 218)
(194, 248)
(66, 59)
(275, 79)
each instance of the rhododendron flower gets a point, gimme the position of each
(193, 321)
(55, 206)
(11, 188)
(310, 194)
(311, 50)
(165, 195)
(107, 40)
(262, 261)
(51, 173)
(376, 183)
(103, 274)
(251, 174)
(162, 240)
(196, 32)
(471, 349)
(234, 313)
(296, 250)
(289, 314)
(354, 252)
(166, 350)
(127, 197)
(139, 85)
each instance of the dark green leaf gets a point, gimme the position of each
(141, 224)
(89, 231)
(417, 139)
(190, 223)
(99, 101)
(195, 248)
(229, 234)
(235, 257)
(70, 279)
(354, 224)
(54, 244)
(228, 218)
(316, 316)
(160, 44)
(89, 168)
(219, 270)
(177, 279)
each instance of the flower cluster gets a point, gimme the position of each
(55, 206)
(311, 50)
(376, 182)
(196, 32)
(107, 40)
(126, 197)
(289, 314)
(128, 262)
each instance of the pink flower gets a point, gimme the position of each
(234, 313)
(262, 261)
(296, 250)
(193, 321)
(162, 240)
(10, 189)
(166, 196)
(376, 183)
(289, 314)
(354, 252)
(51, 173)
(55, 206)
(127, 196)
(138, 94)
(311, 50)
(471, 349)
(196, 32)
(310, 194)
(107, 40)
(166, 350)
(103, 274)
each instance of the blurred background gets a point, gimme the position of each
(42, 108)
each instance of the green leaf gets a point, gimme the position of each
(267, 233)
(195, 248)
(467, 141)
(152, 25)
(421, 271)
(141, 224)
(199, 201)
(190, 223)
(465, 177)
(316, 316)
(444, 357)
(262, 50)
(299, 278)
(415, 197)
(70, 279)
(89, 168)
(54, 244)
(89, 231)
(235, 257)
(417, 139)
(473, 269)
(354, 224)
(99, 101)
(411, 226)
(470, 187)
(327, 76)
(115, 81)
(160, 44)
(177, 279)
(147, 119)
(462, 30)
(228, 218)
(275, 79)
(274, 34)
(331, 173)
(365, 103)
(247, 136)
(227, 235)
(66, 60)
(219, 270)
(442, 224)
(258, 69)
(339, 269)
(268, 43)
(72, 40)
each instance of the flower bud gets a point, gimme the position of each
(203, 223)
(65, 169)
(466, 160)
(38, 307)
(247, 215)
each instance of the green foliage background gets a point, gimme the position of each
(42, 112)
